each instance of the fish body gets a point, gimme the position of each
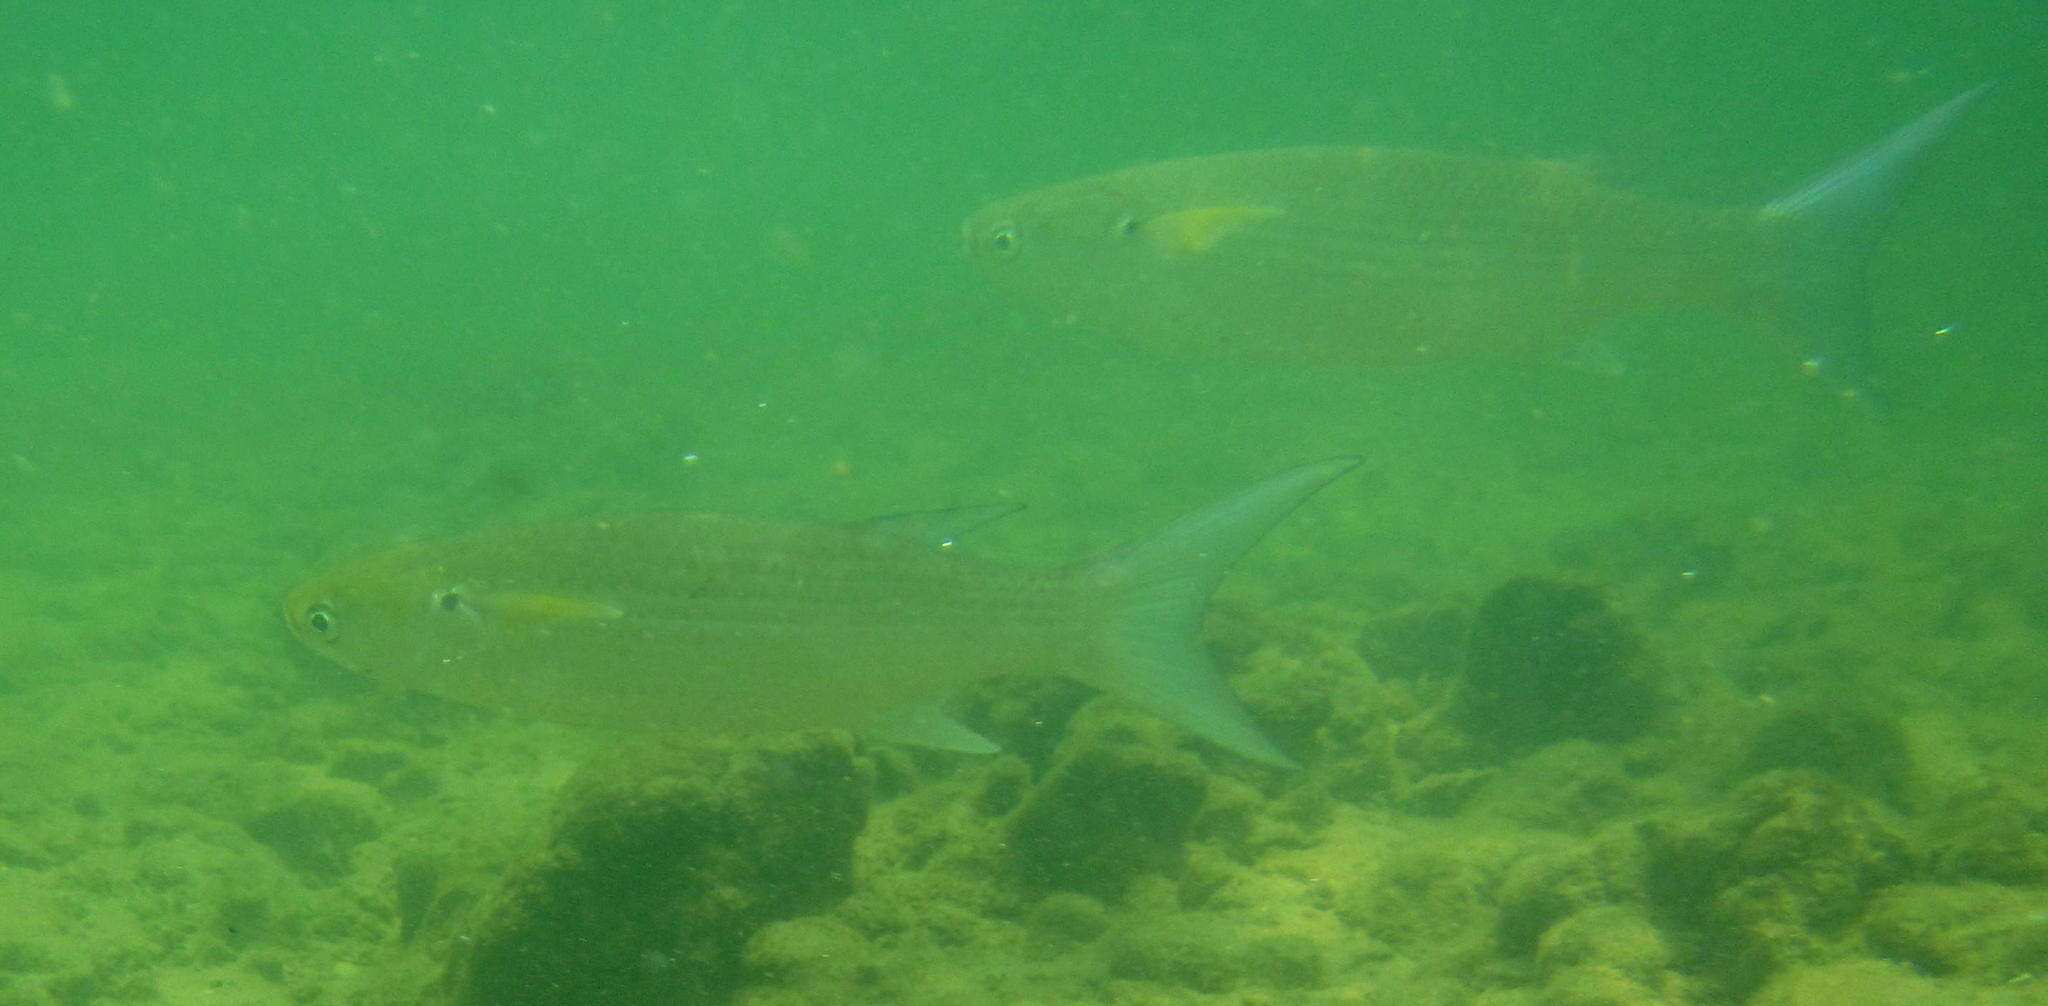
(1364, 255)
(1371, 255)
(708, 624)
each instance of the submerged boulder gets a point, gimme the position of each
(1983, 932)
(1550, 661)
(1106, 813)
(661, 866)
(1996, 832)
(1861, 747)
(1778, 878)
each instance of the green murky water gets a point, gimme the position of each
(1657, 676)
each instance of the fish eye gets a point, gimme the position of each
(1125, 226)
(321, 621)
(1004, 239)
(449, 600)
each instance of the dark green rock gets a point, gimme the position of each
(1068, 916)
(1543, 888)
(1549, 661)
(1774, 880)
(1862, 748)
(1998, 833)
(659, 871)
(1104, 814)
(1190, 951)
(1981, 931)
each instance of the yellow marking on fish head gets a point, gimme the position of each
(1194, 231)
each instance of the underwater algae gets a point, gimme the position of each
(658, 870)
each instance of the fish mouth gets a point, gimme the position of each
(290, 611)
(969, 228)
(288, 607)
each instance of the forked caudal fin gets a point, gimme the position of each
(1831, 226)
(1158, 588)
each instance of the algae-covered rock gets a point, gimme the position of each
(1863, 983)
(1979, 931)
(1611, 937)
(1104, 814)
(1545, 887)
(1777, 878)
(815, 950)
(1864, 748)
(661, 866)
(1190, 951)
(1598, 985)
(1065, 916)
(1997, 833)
(1424, 894)
(1568, 786)
(1286, 960)
(1212, 954)
(1549, 661)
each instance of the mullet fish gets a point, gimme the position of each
(1373, 255)
(719, 624)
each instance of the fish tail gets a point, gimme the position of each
(1158, 589)
(1831, 226)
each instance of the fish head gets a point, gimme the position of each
(392, 617)
(1153, 247)
(1076, 225)
(1167, 212)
